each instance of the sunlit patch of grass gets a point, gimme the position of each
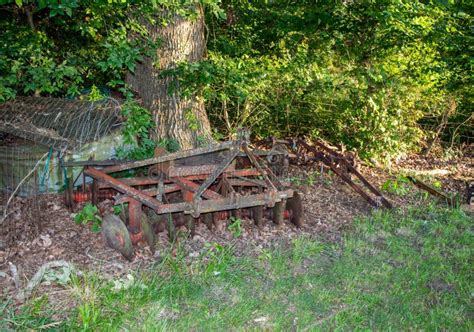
(400, 270)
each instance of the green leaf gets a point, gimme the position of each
(95, 228)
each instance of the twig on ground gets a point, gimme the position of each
(14, 271)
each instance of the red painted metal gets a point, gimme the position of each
(206, 181)
(202, 207)
(136, 237)
(81, 197)
(134, 215)
(187, 195)
(137, 181)
(192, 187)
(123, 188)
(124, 198)
(145, 181)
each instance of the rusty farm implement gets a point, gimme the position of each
(208, 185)
(204, 185)
(300, 152)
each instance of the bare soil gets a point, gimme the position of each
(28, 240)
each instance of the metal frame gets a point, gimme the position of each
(338, 163)
(203, 187)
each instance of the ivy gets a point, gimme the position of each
(136, 131)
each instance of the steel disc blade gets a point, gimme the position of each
(257, 215)
(278, 212)
(170, 227)
(190, 224)
(295, 206)
(237, 213)
(215, 220)
(207, 218)
(117, 236)
(148, 232)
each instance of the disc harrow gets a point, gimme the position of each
(206, 185)
(300, 153)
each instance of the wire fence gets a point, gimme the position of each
(20, 187)
(35, 133)
(59, 123)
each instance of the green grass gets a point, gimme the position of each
(395, 270)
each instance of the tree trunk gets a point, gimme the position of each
(184, 120)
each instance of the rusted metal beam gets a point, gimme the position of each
(228, 203)
(215, 205)
(192, 186)
(264, 172)
(433, 191)
(247, 183)
(137, 181)
(82, 163)
(169, 157)
(205, 206)
(182, 171)
(160, 193)
(351, 183)
(185, 171)
(228, 173)
(123, 188)
(124, 198)
(144, 181)
(242, 172)
(377, 193)
(95, 192)
(218, 171)
(346, 179)
(329, 150)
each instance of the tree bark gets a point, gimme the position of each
(182, 119)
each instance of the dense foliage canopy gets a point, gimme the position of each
(383, 77)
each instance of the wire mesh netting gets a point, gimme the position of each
(36, 132)
(20, 210)
(59, 123)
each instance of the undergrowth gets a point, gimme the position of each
(400, 270)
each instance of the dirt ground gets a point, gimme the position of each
(27, 242)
